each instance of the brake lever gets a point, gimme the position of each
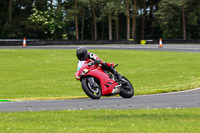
(116, 65)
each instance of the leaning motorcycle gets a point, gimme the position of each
(97, 82)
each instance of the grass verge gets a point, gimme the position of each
(46, 74)
(103, 121)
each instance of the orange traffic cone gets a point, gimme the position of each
(160, 43)
(24, 42)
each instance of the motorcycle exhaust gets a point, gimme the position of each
(116, 89)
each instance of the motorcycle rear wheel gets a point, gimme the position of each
(88, 90)
(127, 91)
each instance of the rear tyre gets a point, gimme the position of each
(127, 90)
(94, 93)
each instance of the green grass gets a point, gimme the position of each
(45, 74)
(103, 121)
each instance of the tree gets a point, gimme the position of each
(14, 18)
(94, 22)
(118, 9)
(193, 19)
(76, 19)
(83, 23)
(72, 12)
(106, 19)
(152, 4)
(108, 11)
(134, 19)
(51, 21)
(143, 20)
(184, 23)
(10, 11)
(128, 18)
(171, 13)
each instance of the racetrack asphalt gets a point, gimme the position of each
(193, 48)
(183, 99)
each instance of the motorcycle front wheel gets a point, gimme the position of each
(94, 93)
(127, 90)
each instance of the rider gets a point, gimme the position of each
(83, 55)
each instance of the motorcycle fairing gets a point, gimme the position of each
(107, 84)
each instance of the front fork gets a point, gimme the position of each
(92, 82)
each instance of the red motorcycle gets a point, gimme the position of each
(97, 82)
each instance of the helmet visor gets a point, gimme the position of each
(82, 56)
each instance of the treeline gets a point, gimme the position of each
(100, 19)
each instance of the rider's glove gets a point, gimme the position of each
(97, 62)
(77, 77)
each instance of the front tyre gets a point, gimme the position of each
(127, 90)
(94, 93)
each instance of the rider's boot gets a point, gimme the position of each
(120, 80)
(119, 76)
(109, 67)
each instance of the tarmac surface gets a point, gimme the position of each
(192, 48)
(183, 99)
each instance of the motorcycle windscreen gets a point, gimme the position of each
(80, 64)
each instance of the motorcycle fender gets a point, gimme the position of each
(107, 84)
